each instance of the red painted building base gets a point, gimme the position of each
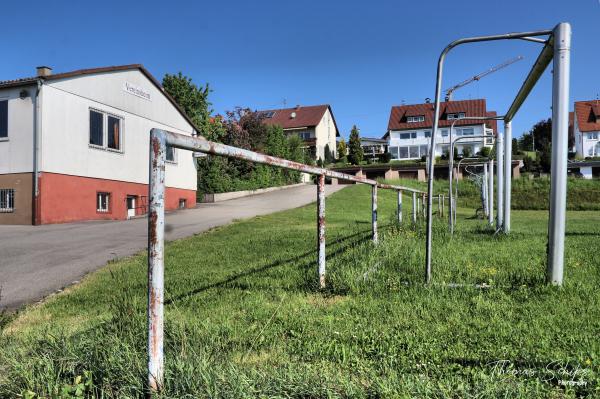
(65, 198)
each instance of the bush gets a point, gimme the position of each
(386, 157)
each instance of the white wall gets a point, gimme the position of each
(65, 129)
(16, 153)
(325, 134)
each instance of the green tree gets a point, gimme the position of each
(526, 142)
(193, 100)
(341, 148)
(466, 152)
(542, 135)
(328, 156)
(516, 149)
(355, 150)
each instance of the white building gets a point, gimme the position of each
(314, 124)
(586, 126)
(75, 146)
(410, 126)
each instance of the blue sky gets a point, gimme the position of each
(359, 57)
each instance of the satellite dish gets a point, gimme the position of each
(293, 115)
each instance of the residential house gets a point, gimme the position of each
(586, 126)
(75, 146)
(314, 124)
(409, 128)
(373, 147)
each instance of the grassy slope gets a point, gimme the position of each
(244, 318)
(526, 194)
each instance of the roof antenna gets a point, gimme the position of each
(403, 102)
(284, 103)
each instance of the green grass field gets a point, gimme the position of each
(245, 319)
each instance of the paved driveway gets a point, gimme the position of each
(36, 261)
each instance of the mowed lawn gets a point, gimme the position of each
(245, 319)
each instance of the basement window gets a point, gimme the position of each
(182, 203)
(3, 119)
(7, 200)
(106, 131)
(102, 202)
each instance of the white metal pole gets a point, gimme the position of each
(560, 126)
(500, 181)
(156, 267)
(414, 207)
(484, 190)
(321, 228)
(491, 192)
(374, 212)
(507, 174)
(399, 207)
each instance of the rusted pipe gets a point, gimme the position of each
(374, 213)
(321, 228)
(156, 237)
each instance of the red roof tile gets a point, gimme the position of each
(588, 115)
(399, 113)
(308, 116)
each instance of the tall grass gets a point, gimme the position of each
(245, 318)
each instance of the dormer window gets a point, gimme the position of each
(415, 118)
(456, 115)
(267, 114)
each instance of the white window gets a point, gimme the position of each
(170, 155)
(102, 202)
(106, 130)
(427, 133)
(3, 119)
(7, 200)
(456, 115)
(467, 131)
(304, 135)
(409, 135)
(416, 118)
(403, 152)
(394, 152)
(423, 151)
(444, 132)
(593, 136)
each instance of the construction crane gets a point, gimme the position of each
(481, 75)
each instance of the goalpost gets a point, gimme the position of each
(557, 48)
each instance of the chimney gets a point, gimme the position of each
(44, 71)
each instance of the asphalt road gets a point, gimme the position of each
(36, 261)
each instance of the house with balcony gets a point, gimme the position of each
(373, 147)
(314, 124)
(586, 127)
(409, 129)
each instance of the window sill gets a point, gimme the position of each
(97, 147)
(171, 162)
(3, 138)
(7, 210)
